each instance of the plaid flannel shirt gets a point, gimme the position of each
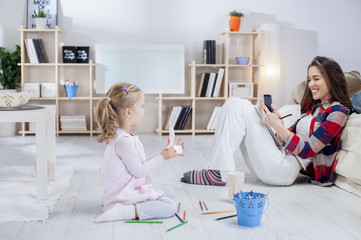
(324, 141)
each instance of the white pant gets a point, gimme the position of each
(240, 125)
(162, 208)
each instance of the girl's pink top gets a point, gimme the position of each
(125, 171)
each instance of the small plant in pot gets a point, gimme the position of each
(40, 20)
(235, 21)
(10, 72)
(10, 79)
(71, 88)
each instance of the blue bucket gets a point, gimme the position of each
(250, 211)
(71, 90)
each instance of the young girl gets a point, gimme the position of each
(129, 190)
(314, 138)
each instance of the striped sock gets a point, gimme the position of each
(203, 177)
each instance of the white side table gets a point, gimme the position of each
(45, 142)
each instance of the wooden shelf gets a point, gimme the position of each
(73, 98)
(53, 49)
(252, 69)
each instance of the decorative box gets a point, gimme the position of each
(48, 90)
(33, 89)
(82, 54)
(241, 89)
(69, 54)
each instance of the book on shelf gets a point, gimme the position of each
(205, 84)
(36, 50)
(213, 119)
(170, 118)
(215, 122)
(178, 117)
(73, 122)
(43, 52)
(31, 51)
(36, 43)
(210, 84)
(200, 85)
(218, 82)
(185, 119)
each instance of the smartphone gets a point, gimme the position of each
(268, 101)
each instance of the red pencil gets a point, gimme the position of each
(184, 216)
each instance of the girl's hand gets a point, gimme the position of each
(169, 153)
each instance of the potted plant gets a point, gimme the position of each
(10, 72)
(10, 79)
(71, 88)
(235, 21)
(40, 20)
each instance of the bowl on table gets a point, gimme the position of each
(13, 100)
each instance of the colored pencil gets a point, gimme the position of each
(178, 207)
(143, 221)
(200, 204)
(226, 217)
(184, 216)
(205, 205)
(266, 195)
(176, 226)
(224, 211)
(178, 217)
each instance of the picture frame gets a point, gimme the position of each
(241, 89)
(50, 8)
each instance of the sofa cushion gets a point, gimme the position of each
(349, 160)
(356, 102)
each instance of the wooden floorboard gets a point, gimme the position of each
(300, 211)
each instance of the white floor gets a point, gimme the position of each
(301, 211)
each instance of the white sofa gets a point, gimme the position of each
(348, 170)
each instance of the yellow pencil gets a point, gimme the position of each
(205, 205)
(266, 195)
(224, 211)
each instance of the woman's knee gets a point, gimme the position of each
(237, 103)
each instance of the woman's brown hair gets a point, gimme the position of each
(120, 96)
(335, 80)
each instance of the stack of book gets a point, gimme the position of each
(178, 117)
(210, 84)
(36, 50)
(72, 122)
(212, 123)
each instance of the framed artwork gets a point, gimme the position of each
(50, 8)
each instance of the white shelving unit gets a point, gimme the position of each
(51, 72)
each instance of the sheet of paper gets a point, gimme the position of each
(178, 148)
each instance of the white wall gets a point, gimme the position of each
(306, 28)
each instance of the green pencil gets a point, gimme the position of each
(143, 221)
(226, 217)
(177, 226)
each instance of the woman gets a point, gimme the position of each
(315, 137)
